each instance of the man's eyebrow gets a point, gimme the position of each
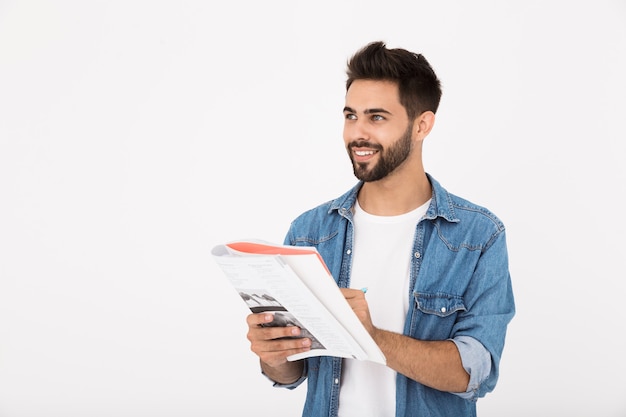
(366, 111)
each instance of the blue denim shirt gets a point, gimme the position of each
(460, 288)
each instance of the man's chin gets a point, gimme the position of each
(366, 176)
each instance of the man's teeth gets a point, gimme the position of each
(364, 153)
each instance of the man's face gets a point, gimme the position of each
(377, 132)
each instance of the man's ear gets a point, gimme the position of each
(424, 124)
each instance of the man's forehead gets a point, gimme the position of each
(368, 95)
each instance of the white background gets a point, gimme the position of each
(136, 135)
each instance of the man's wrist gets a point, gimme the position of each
(293, 378)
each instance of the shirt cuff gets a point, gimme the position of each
(293, 384)
(476, 362)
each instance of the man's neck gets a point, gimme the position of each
(394, 195)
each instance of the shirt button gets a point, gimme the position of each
(443, 309)
(349, 251)
(417, 255)
(336, 380)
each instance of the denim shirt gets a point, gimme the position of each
(460, 288)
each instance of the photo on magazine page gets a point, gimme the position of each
(260, 301)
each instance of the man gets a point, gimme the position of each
(439, 293)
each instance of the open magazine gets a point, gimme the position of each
(294, 284)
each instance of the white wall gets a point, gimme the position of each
(135, 135)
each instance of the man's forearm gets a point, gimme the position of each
(436, 364)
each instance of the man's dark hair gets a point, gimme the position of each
(419, 87)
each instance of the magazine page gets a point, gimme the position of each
(267, 283)
(307, 263)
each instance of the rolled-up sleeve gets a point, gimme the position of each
(476, 362)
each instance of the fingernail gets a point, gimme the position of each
(295, 331)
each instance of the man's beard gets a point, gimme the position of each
(388, 159)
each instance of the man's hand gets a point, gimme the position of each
(356, 299)
(274, 344)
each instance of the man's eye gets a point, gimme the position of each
(377, 117)
(350, 116)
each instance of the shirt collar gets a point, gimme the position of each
(440, 205)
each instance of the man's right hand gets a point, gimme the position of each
(274, 344)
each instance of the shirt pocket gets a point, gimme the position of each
(435, 315)
(439, 304)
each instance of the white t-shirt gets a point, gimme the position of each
(381, 263)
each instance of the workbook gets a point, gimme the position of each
(294, 284)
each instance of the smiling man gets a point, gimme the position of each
(439, 296)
